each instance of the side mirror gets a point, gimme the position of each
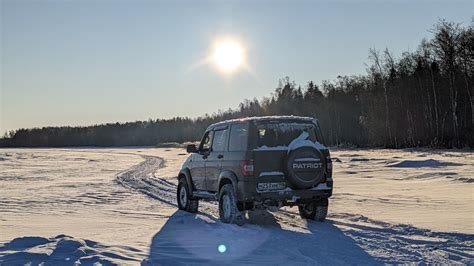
(191, 148)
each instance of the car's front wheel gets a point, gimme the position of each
(228, 211)
(315, 210)
(185, 202)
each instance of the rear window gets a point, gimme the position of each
(238, 137)
(281, 134)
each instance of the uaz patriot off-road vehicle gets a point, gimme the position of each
(258, 162)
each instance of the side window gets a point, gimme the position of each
(218, 144)
(206, 141)
(238, 137)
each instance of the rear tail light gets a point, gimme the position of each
(247, 167)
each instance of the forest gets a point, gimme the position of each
(421, 98)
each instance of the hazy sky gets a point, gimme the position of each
(67, 62)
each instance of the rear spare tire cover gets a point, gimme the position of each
(305, 167)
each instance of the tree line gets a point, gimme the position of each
(420, 98)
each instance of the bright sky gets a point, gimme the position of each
(67, 62)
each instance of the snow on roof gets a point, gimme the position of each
(260, 118)
(300, 141)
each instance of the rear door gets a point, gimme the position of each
(198, 169)
(272, 141)
(216, 156)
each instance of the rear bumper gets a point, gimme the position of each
(247, 192)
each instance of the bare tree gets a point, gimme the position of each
(444, 44)
(466, 58)
(375, 57)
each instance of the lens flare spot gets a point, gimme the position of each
(221, 248)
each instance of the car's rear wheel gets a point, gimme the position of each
(185, 202)
(228, 211)
(315, 210)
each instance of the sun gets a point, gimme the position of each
(228, 55)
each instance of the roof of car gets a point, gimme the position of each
(263, 118)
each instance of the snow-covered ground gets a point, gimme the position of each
(118, 206)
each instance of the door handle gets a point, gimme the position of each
(220, 156)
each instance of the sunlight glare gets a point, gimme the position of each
(228, 55)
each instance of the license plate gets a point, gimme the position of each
(271, 186)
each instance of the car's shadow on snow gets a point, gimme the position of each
(198, 239)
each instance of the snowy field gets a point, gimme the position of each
(63, 206)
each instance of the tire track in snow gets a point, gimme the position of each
(402, 243)
(393, 243)
(141, 178)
